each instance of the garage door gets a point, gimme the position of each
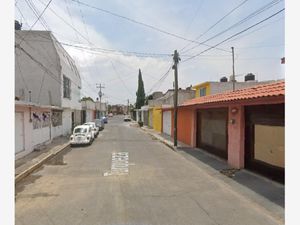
(150, 119)
(212, 131)
(19, 132)
(167, 122)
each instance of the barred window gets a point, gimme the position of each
(67, 87)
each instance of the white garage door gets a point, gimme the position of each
(167, 122)
(19, 132)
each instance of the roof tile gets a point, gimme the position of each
(259, 91)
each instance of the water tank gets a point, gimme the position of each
(250, 77)
(223, 79)
(18, 25)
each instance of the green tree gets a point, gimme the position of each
(140, 94)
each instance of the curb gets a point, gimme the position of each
(52, 153)
(161, 139)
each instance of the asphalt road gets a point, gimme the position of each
(90, 186)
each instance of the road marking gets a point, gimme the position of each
(119, 164)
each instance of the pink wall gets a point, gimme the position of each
(236, 136)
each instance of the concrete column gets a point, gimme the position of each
(194, 128)
(236, 136)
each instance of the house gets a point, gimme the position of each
(160, 107)
(101, 109)
(245, 127)
(214, 87)
(88, 113)
(47, 89)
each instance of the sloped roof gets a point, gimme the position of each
(255, 92)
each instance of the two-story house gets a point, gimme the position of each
(47, 90)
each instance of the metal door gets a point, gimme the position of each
(19, 132)
(167, 124)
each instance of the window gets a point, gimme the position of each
(80, 130)
(202, 91)
(67, 87)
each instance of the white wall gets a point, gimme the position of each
(32, 137)
(69, 69)
(40, 136)
(56, 131)
(67, 121)
(89, 115)
(30, 76)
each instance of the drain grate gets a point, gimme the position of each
(119, 164)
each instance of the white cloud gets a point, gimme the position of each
(98, 68)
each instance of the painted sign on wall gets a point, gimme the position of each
(40, 119)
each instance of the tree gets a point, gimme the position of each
(140, 94)
(87, 98)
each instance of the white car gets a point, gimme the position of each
(81, 135)
(127, 118)
(95, 129)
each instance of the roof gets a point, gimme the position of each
(201, 84)
(255, 92)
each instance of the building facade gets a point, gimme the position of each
(47, 89)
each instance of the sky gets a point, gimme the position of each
(153, 30)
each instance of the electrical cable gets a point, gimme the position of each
(47, 5)
(142, 24)
(220, 20)
(236, 34)
(250, 16)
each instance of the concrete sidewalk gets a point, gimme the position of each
(268, 195)
(27, 164)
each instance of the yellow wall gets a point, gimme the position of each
(198, 87)
(157, 118)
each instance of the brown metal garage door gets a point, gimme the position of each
(212, 131)
(264, 140)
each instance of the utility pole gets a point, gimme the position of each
(233, 73)
(100, 93)
(176, 61)
(127, 106)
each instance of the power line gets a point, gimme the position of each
(71, 18)
(21, 14)
(120, 78)
(196, 13)
(221, 19)
(47, 5)
(256, 29)
(34, 10)
(142, 24)
(112, 51)
(255, 13)
(163, 77)
(236, 34)
(67, 23)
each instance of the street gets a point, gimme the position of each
(128, 177)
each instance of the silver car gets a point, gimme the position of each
(99, 123)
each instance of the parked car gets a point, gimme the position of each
(105, 119)
(81, 135)
(95, 129)
(127, 118)
(99, 123)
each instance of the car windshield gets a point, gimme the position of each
(80, 130)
